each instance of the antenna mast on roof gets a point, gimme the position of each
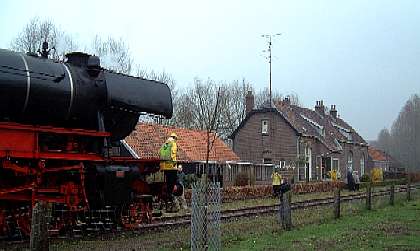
(269, 39)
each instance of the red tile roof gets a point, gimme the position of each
(378, 155)
(147, 138)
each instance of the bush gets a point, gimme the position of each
(384, 183)
(189, 180)
(246, 192)
(414, 177)
(365, 178)
(316, 186)
(394, 175)
(377, 175)
(241, 179)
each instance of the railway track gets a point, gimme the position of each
(270, 209)
(183, 220)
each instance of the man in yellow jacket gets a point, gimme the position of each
(168, 164)
(168, 153)
(276, 177)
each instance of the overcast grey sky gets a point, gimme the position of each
(363, 56)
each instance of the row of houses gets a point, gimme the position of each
(314, 142)
(305, 144)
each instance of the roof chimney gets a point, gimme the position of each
(286, 100)
(319, 107)
(333, 111)
(249, 102)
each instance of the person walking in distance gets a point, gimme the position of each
(276, 181)
(181, 180)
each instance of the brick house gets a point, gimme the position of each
(384, 161)
(147, 138)
(306, 144)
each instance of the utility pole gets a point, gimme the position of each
(269, 39)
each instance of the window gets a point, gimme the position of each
(268, 172)
(335, 164)
(308, 164)
(267, 161)
(258, 173)
(264, 126)
(350, 161)
(232, 171)
(282, 164)
(362, 165)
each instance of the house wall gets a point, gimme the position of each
(258, 174)
(318, 151)
(358, 152)
(280, 143)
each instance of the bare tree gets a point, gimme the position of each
(405, 139)
(211, 104)
(167, 79)
(36, 32)
(162, 77)
(234, 111)
(194, 108)
(262, 98)
(67, 44)
(384, 140)
(114, 53)
(29, 38)
(294, 99)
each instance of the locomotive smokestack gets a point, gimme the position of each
(45, 51)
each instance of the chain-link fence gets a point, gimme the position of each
(39, 233)
(205, 216)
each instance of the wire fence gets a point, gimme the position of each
(206, 216)
(39, 233)
(204, 232)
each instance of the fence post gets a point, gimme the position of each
(392, 192)
(408, 188)
(369, 197)
(337, 203)
(39, 231)
(205, 216)
(286, 210)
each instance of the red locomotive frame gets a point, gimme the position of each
(43, 173)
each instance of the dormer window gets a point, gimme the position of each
(319, 128)
(264, 126)
(344, 131)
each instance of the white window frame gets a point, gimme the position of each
(308, 161)
(282, 164)
(350, 160)
(264, 126)
(258, 173)
(338, 164)
(338, 167)
(267, 161)
(362, 165)
(268, 171)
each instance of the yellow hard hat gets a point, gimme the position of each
(173, 135)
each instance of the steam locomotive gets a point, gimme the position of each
(62, 130)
